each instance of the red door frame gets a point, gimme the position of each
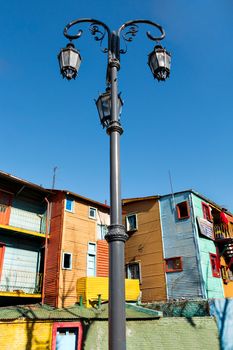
(57, 325)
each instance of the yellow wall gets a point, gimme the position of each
(25, 335)
(145, 246)
(91, 287)
(228, 288)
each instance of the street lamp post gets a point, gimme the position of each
(109, 107)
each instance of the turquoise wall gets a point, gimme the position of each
(213, 285)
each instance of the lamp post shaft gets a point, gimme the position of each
(116, 236)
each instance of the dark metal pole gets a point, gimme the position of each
(116, 236)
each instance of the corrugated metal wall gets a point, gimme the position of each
(102, 259)
(52, 273)
(27, 215)
(213, 285)
(20, 270)
(178, 241)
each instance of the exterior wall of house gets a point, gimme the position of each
(22, 335)
(21, 264)
(78, 231)
(199, 333)
(165, 333)
(102, 259)
(179, 241)
(213, 285)
(52, 273)
(145, 246)
(228, 284)
(22, 212)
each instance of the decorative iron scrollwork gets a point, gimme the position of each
(98, 35)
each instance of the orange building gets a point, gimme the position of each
(76, 246)
(144, 250)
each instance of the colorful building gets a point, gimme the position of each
(76, 246)
(186, 239)
(23, 228)
(36, 327)
(144, 248)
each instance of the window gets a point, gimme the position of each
(182, 210)
(92, 213)
(102, 230)
(206, 211)
(131, 222)
(224, 273)
(67, 335)
(2, 252)
(91, 259)
(133, 270)
(67, 261)
(214, 261)
(174, 264)
(69, 205)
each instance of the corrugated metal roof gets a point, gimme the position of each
(72, 194)
(23, 182)
(137, 199)
(45, 312)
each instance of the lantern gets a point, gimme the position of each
(69, 60)
(159, 62)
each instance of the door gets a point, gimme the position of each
(5, 207)
(66, 338)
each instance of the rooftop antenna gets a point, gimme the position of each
(54, 177)
(173, 197)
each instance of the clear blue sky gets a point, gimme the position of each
(184, 124)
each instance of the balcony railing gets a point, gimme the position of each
(222, 231)
(21, 281)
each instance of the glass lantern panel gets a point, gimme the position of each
(106, 105)
(65, 58)
(74, 60)
(161, 57)
(168, 61)
(153, 62)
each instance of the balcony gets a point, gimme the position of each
(222, 231)
(21, 283)
(92, 289)
(22, 221)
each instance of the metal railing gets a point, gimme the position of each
(222, 231)
(21, 281)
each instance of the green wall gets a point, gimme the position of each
(199, 333)
(213, 285)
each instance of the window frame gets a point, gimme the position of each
(173, 258)
(77, 325)
(127, 222)
(205, 205)
(72, 205)
(91, 217)
(215, 273)
(91, 253)
(2, 254)
(100, 228)
(127, 265)
(178, 213)
(63, 260)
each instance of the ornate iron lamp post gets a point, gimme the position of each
(109, 106)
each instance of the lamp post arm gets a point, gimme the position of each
(132, 31)
(94, 28)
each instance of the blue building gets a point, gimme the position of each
(194, 257)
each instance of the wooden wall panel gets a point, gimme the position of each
(51, 278)
(145, 246)
(102, 258)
